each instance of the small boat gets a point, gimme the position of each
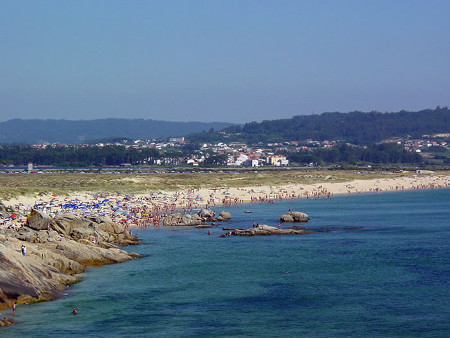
(203, 226)
(247, 212)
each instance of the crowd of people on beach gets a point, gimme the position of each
(150, 209)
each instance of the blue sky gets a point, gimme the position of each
(211, 60)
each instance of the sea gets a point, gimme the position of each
(376, 265)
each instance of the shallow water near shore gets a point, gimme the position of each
(379, 268)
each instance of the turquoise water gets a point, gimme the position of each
(390, 277)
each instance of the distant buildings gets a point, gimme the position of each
(277, 160)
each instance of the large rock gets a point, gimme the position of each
(102, 230)
(300, 216)
(204, 215)
(224, 216)
(265, 230)
(3, 210)
(38, 220)
(207, 214)
(182, 220)
(56, 254)
(294, 216)
(28, 279)
(66, 223)
(286, 218)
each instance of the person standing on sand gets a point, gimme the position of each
(24, 251)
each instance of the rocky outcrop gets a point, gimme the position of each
(203, 216)
(294, 216)
(207, 215)
(286, 218)
(4, 210)
(7, 321)
(182, 220)
(265, 230)
(224, 216)
(38, 220)
(100, 229)
(56, 250)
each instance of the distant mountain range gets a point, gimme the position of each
(18, 131)
(355, 127)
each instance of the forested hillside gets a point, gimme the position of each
(355, 127)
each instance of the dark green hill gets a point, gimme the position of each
(75, 132)
(355, 127)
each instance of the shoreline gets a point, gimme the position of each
(115, 206)
(147, 210)
(41, 258)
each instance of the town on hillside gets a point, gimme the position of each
(432, 149)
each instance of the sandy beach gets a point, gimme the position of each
(143, 210)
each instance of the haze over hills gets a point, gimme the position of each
(354, 127)
(75, 132)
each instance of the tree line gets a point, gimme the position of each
(386, 153)
(75, 156)
(354, 127)
(116, 155)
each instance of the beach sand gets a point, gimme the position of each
(142, 210)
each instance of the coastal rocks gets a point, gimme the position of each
(286, 218)
(294, 216)
(203, 216)
(38, 220)
(99, 229)
(182, 220)
(28, 279)
(207, 214)
(266, 230)
(55, 255)
(3, 210)
(224, 216)
(7, 321)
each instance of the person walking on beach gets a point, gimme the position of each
(24, 251)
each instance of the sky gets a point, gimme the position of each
(221, 61)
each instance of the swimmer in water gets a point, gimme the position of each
(75, 311)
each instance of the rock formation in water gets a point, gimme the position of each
(203, 216)
(294, 216)
(265, 230)
(56, 250)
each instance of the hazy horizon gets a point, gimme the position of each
(221, 61)
(193, 121)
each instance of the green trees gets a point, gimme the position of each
(354, 127)
(77, 156)
(386, 153)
